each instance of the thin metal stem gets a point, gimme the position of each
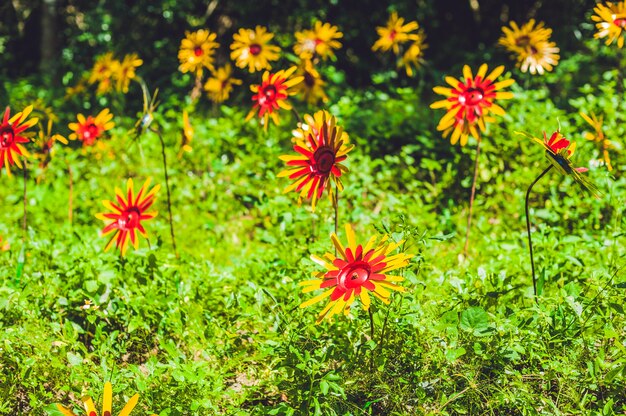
(471, 202)
(530, 241)
(167, 186)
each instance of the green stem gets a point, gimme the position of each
(530, 241)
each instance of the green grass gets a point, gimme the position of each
(219, 330)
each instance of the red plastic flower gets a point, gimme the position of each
(12, 136)
(318, 164)
(559, 151)
(89, 129)
(126, 215)
(358, 271)
(470, 100)
(272, 94)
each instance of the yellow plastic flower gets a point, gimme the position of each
(124, 72)
(251, 49)
(395, 33)
(598, 136)
(358, 270)
(187, 135)
(413, 57)
(44, 142)
(320, 41)
(469, 102)
(89, 129)
(272, 95)
(312, 87)
(531, 46)
(317, 166)
(611, 22)
(196, 51)
(102, 72)
(220, 84)
(107, 404)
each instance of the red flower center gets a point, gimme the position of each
(472, 97)
(129, 219)
(353, 275)
(255, 49)
(7, 137)
(198, 51)
(267, 95)
(620, 21)
(90, 133)
(523, 41)
(323, 161)
(392, 34)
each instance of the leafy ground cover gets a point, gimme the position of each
(219, 331)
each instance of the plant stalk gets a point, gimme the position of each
(530, 241)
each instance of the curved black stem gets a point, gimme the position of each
(471, 203)
(295, 113)
(167, 186)
(530, 241)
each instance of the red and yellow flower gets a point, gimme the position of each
(312, 125)
(317, 166)
(357, 271)
(597, 135)
(559, 151)
(251, 49)
(531, 46)
(89, 129)
(13, 135)
(311, 89)
(321, 41)
(470, 101)
(126, 215)
(44, 142)
(102, 72)
(196, 51)
(107, 404)
(395, 33)
(272, 94)
(220, 84)
(611, 22)
(124, 71)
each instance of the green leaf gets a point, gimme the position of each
(474, 320)
(324, 387)
(74, 359)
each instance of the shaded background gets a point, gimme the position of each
(56, 39)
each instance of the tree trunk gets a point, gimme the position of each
(48, 63)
